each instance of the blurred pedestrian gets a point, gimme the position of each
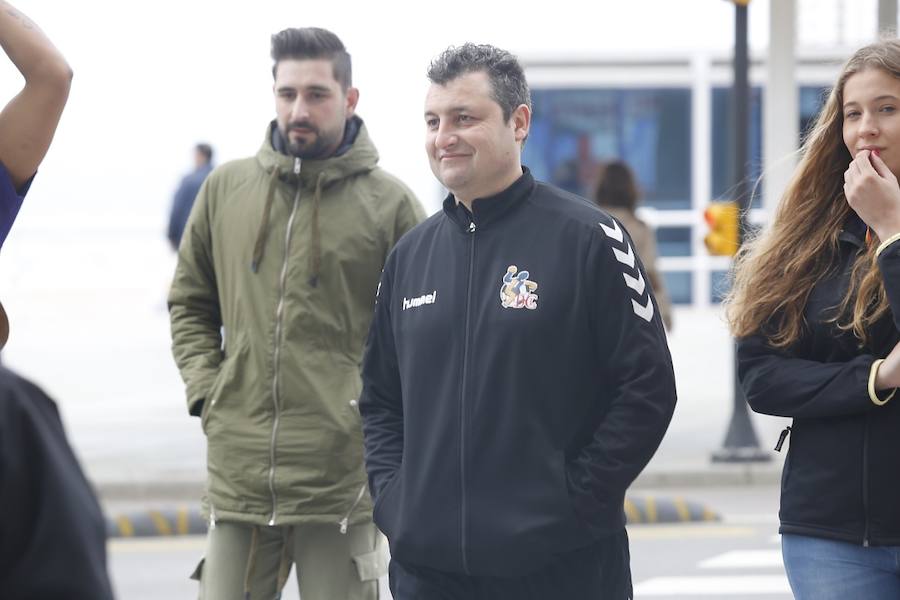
(187, 191)
(270, 306)
(616, 191)
(815, 307)
(516, 376)
(52, 531)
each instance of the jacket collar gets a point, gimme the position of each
(488, 210)
(358, 156)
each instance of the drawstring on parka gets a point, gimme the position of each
(260, 244)
(315, 254)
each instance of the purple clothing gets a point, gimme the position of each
(10, 201)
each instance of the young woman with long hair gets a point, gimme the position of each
(815, 308)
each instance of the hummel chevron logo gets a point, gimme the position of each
(637, 285)
(626, 258)
(614, 232)
(644, 312)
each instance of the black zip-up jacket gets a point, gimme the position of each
(52, 531)
(840, 475)
(516, 381)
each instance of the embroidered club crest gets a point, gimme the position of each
(517, 291)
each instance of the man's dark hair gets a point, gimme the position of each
(509, 88)
(311, 43)
(206, 150)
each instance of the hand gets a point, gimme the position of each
(888, 376)
(873, 192)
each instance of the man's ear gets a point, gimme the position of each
(521, 119)
(352, 97)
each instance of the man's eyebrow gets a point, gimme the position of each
(309, 88)
(452, 109)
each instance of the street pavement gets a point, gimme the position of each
(737, 558)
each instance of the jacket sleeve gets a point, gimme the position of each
(381, 401)
(780, 383)
(194, 309)
(634, 358)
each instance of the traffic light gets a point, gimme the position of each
(723, 237)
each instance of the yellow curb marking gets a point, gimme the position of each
(161, 523)
(681, 507)
(182, 521)
(709, 515)
(632, 514)
(126, 529)
(650, 507)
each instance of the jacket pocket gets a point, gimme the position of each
(384, 510)
(224, 377)
(372, 565)
(567, 507)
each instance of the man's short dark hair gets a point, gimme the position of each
(508, 85)
(206, 150)
(311, 43)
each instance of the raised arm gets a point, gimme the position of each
(29, 120)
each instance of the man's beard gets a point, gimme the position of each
(319, 145)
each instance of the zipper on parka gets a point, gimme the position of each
(345, 522)
(462, 404)
(279, 331)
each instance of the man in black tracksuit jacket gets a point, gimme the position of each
(517, 377)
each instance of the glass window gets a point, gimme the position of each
(723, 177)
(678, 285)
(719, 285)
(673, 241)
(574, 130)
(812, 99)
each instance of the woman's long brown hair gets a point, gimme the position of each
(774, 273)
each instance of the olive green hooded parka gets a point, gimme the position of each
(270, 306)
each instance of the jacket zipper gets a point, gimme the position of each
(345, 522)
(865, 482)
(462, 405)
(279, 315)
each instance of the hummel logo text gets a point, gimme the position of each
(423, 299)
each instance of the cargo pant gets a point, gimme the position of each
(247, 562)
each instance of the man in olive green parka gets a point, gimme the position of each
(270, 305)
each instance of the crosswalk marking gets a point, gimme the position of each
(744, 559)
(731, 585)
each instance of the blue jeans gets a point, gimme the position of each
(820, 569)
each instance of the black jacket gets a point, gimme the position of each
(514, 385)
(840, 475)
(52, 531)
